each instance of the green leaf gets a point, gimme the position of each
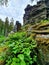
(13, 63)
(35, 58)
(27, 51)
(22, 63)
(31, 62)
(21, 56)
(16, 59)
(14, 51)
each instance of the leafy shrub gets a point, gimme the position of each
(21, 49)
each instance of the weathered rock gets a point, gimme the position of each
(40, 31)
(42, 38)
(35, 13)
(2, 62)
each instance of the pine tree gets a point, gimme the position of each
(1, 27)
(11, 26)
(6, 27)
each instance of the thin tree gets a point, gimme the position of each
(6, 28)
(1, 26)
(11, 26)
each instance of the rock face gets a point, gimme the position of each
(41, 32)
(17, 26)
(37, 12)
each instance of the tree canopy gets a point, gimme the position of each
(3, 2)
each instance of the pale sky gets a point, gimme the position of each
(14, 10)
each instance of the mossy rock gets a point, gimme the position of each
(2, 62)
(3, 49)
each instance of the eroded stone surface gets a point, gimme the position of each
(34, 14)
(40, 32)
